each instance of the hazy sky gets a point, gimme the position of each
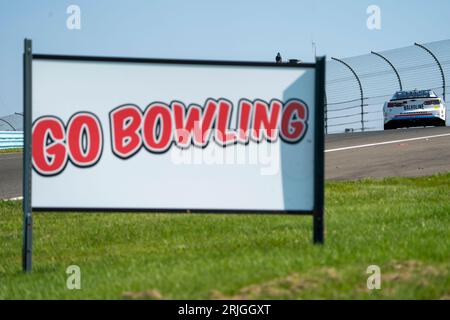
(207, 29)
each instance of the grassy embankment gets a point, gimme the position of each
(399, 224)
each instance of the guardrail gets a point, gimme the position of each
(11, 139)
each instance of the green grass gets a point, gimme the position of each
(399, 224)
(12, 150)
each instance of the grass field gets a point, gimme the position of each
(12, 150)
(399, 224)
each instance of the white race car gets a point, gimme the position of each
(414, 108)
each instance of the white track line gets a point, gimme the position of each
(386, 142)
(13, 199)
(9, 156)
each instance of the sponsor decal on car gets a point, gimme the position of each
(413, 107)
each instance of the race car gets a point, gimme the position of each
(414, 108)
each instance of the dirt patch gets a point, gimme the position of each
(143, 295)
(406, 270)
(396, 273)
(280, 288)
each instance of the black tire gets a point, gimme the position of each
(441, 123)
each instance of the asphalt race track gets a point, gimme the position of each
(402, 158)
(10, 175)
(348, 156)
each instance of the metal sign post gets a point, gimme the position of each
(27, 120)
(318, 219)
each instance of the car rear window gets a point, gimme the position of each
(415, 94)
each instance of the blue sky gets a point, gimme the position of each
(229, 30)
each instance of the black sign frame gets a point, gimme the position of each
(318, 209)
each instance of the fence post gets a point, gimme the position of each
(437, 62)
(360, 89)
(392, 66)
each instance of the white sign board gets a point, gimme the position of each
(129, 134)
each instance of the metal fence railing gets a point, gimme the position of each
(12, 122)
(11, 139)
(357, 87)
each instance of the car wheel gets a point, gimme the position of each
(441, 123)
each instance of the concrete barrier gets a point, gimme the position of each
(11, 139)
